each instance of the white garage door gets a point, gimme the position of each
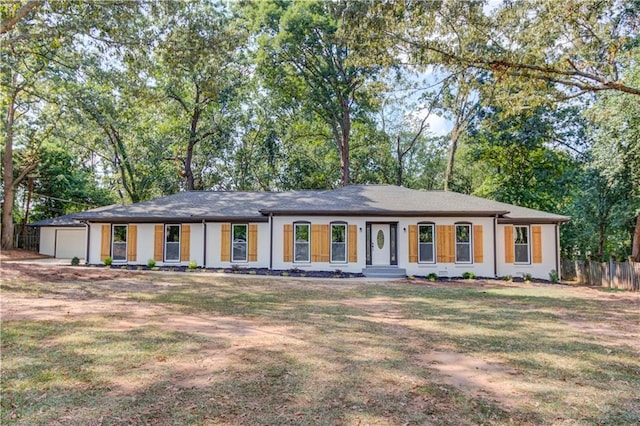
(70, 243)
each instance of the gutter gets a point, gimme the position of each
(556, 229)
(270, 241)
(86, 257)
(495, 249)
(204, 245)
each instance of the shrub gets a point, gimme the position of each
(469, 276)
(151, 263)
(75, 261)
(553, 276)
(432, 276)
(192, 265)
(108, 261)
(507, 278)
(527, 277)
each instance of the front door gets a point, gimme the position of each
(380, 244)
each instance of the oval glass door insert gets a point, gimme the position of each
(380, 239)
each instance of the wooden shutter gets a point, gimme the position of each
(325, 243)
(445, 244)
(536, 232)
(320, 243)
(353, 243)
(413, 244)
(132, 243)
(105, 246)
(158, 243)
(509, 247)
(478, 253)
(287, 243)
(185, 243)
(225, 242)
(253, 242)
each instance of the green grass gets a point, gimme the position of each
(196, 349)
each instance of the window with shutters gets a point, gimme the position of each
(463, 243)
(172, 243)
(521, 244)
(239, 246)
(425, 243)
(119, 243)
(339, 242)
(301, 239)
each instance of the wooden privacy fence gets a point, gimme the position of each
(620, 275)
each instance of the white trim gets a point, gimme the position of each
(164, 237)
(246, 242)
(346, 238)
(470, 243)
(308, 242)
(515, 238)
(433, 244)
(126, 243)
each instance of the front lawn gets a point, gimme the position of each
(121, 347)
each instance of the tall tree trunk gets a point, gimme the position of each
(345, 127)
(448, 174)
(635, 249)
(400, 155)
(7, 163)
(601, 240)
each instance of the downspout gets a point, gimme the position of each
(495, 249)
(556, 229)
(86, 257)
(270, 241)
(204, 245)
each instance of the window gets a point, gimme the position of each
(521, 242)
(425, 243)
(339, 242)
(172, 243)
(239, 250)
(301, 242)
(119, 245)
(463, 243)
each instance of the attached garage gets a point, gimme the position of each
(62, 238)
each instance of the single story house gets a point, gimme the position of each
(379, 230)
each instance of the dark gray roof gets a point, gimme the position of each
(191, 206)
(66, 221)
(69, 219)
(371, 200)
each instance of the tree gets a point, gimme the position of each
(200, 69)
(303, 59)
(573, 46)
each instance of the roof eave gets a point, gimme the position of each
(531, 220)
(174, 219)
(403, 213)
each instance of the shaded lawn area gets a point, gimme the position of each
(159, 348)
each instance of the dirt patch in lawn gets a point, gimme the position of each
(18, 254)
(57, 273)
(483, 377)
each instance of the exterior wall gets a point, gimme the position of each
(145, 244)
(71, 241)
(145, 247)
(537, 270)
(214, 247)
(442, 269)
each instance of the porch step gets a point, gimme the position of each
(384, 272)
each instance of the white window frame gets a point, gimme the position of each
(166, 226)
(307, 243)
(126, 243)
(432, 243)
(331, 242)
(516, 244)
(469, 243)
(234, 243)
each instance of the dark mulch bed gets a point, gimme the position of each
(239, 271)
